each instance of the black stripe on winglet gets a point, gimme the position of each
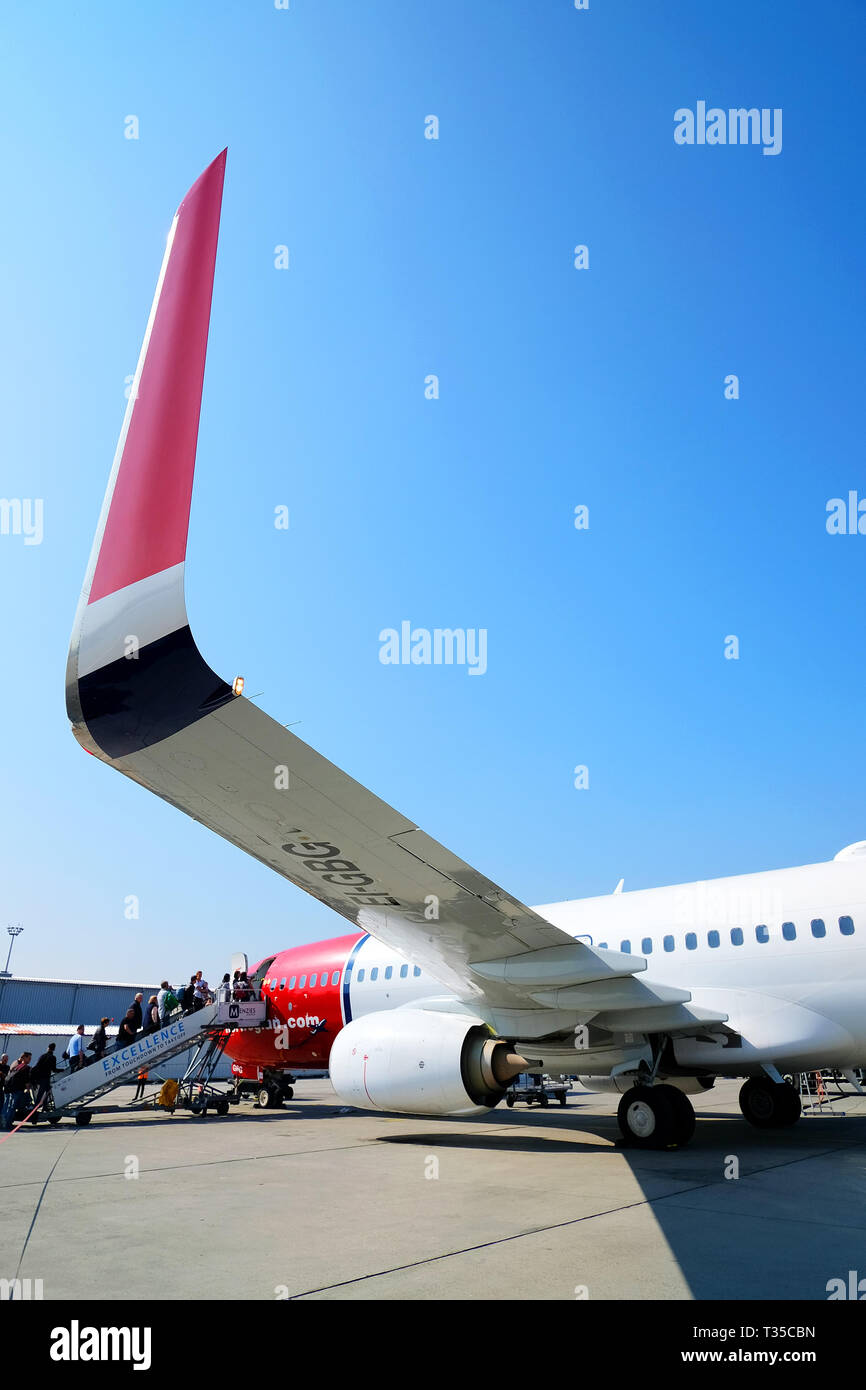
(136, 702)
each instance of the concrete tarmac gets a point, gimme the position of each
(313, 1201)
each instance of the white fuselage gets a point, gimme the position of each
(782, 954)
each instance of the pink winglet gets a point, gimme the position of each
(148, 519)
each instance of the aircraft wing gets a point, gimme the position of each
(142, 698)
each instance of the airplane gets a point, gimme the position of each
(447, 986)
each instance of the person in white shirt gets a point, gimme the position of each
(201, 990)
(75, 1049)
(160, 1000)
(225, 989)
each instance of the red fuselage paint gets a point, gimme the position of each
(302, 1022)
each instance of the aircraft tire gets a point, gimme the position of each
(685, 1113)
(650, 1118)
(768, 1105)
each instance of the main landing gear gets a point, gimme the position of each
(769, 1104)
(656, 1117)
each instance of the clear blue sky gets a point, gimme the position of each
(558, 387)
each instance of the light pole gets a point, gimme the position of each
(13, 932)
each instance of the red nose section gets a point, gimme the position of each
(148, 518)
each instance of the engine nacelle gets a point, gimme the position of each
(423, 1062)
(691, 1085)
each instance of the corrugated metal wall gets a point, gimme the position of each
(32, 1001)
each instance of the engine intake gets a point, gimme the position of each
(422, 1062)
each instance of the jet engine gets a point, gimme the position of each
(422, 1062)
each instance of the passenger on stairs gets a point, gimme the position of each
(201, 990)
(99, 1042)
(42, 1072)
(127, 1030)
(151, 1018)
(138, 1011)
(75, 1049)
(166, 1001)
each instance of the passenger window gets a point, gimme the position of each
(389, 971)
(282, 984)
(736, 936)
(789, 931)
(361, 974)
(691, 941)
(668, 943)
(293, 981)
(846, 926)
(712, 939)
(416, 971)
(374, 973)
(818, 928)
(404, 971)
(625, 946)
(313, 979)
(302, 981)
(335, 978)
(762, 934)
(646, 946)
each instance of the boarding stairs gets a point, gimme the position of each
(205, 1030)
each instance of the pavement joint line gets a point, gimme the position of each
(203, 1163)
(649, 1172)
(648, 1202)
(765, 1216)
(32, 1225)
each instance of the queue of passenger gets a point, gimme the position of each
(22, 1083)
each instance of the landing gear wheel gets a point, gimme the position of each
(651, 1118)
(685, 1112)
(562, 1100)
(544, 1102)
(509, 1101)
(288, 1092)
(767, 1105)
(83, 1118)
(53, 1119)
(268, 1098)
